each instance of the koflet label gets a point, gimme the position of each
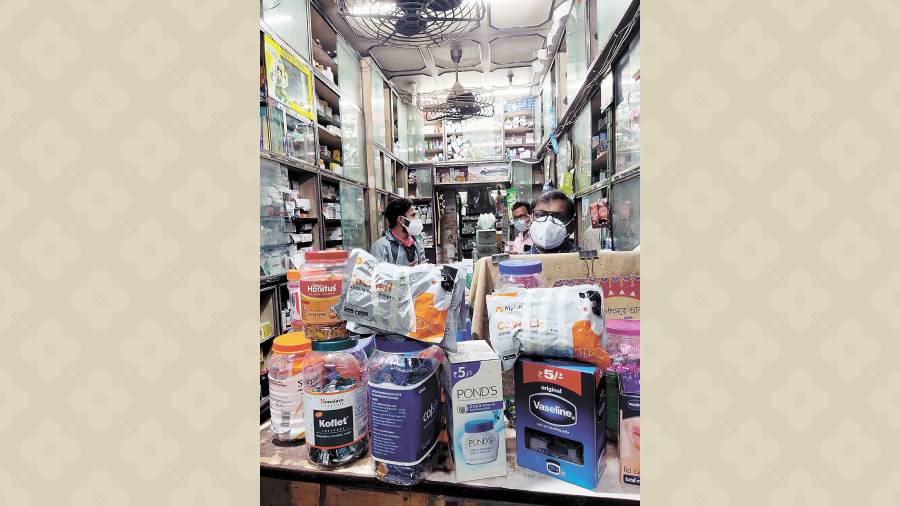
(552, 409)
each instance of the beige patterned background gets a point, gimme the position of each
(128, 201)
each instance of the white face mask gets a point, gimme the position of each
(548, 234)
(520, 224)
(413, 227)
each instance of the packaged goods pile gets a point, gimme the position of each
(395, 387)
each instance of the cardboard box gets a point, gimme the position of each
(630, 429)
(475, 418)
(560, 430)
(617, 272)
(487, 173)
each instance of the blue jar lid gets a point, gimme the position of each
(395, 343)
(473, 426)
(520, 267)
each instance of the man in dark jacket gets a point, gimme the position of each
(399, 244)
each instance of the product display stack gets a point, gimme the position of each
(449, 259)
(372, 382)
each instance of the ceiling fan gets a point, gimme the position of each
(457, 103)
(411, 22)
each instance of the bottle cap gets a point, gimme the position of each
(293, 275)
(333, 345)
(292, 342)
(631, 328)
(520, 267)
(334, 255)
(395, 343)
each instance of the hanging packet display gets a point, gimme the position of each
(559, 322)
(419, 302)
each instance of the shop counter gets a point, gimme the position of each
(285, 471)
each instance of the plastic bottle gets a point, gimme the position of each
(285, 365)
(335, 396)
(405, 407)
(321, 281)
(520, 274)
(293, 286)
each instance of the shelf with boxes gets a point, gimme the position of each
(518, 128)
(331, 214)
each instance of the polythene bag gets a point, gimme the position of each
(419, 302)
(559, 322)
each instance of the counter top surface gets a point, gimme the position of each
(289, 462)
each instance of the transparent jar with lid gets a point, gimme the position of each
(404, 395)
(335, 397)
(321, 281)
(516, 274)
(520, 274)
(285, 364)
(623, 342)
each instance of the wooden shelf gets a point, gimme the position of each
(436, 150)
(525, 145)
(520, 130)
(325, 120)
(434, 136)
(600, 160)
(329, 139)
(529, 112)
(327, 90)
(322, 58)
(328, 159)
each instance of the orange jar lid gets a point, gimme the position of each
(292, 342)
(293, 275)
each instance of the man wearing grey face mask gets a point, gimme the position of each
(552, 223)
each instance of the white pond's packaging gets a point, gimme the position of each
(475, 418)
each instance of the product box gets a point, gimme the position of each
(559, 427)
(630, 428)
(475, 418)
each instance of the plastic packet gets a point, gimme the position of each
(419, 302)
(558, 322)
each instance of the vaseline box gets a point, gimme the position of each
(560, 419)
(475, 419)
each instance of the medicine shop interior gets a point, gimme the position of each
(449, 251)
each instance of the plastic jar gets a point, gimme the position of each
(285, 365)
(623, 342)
(293, 286)
(335, 398)
(321, 281)
(520, 274)
(480, 442)
(405, 408)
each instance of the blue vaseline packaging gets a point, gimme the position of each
(475, 419)
(560, 419)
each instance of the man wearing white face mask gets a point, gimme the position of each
(521, 215)
(552, 222)
(400, 245)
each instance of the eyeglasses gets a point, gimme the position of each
(561, 219)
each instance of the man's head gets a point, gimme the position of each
(521, 212)
(400, 211)
(555, 204)
(553, 219)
